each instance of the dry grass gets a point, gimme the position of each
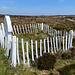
(58, 22)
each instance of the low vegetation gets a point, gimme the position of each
(58, 22)
(58, 64)
(61, 67)
(46, 62)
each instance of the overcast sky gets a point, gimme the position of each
(37, 7)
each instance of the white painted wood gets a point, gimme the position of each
(69, 42)
(26, 28)
(18, 53)
(8, 30)
(9, 39)
(48, 44)
(5, 43)
(44, 45)
(36, 49)
(66, 42)
(42, 26)
(61, 35)
(34, 26)
(23, 29)
(20, 29)
(3, 30)
(27, 54)
(38, 26)
(17, 29)
(63, 43)
(7, 48)
(41, 47)
(54, 45)
(8, 24)
(30, 26)
(32, 50)
(71, 37)
(13, 51)
(51, 46)
(0, 26)
(23, 51)
(14, 29)
(47, 29)
(0, 37)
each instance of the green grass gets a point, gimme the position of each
(6, 69)
(64, 67)
(32, 36)
(68, 70)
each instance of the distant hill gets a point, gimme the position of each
(58, 21)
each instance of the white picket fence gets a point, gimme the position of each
(57, 40)
(29, 28)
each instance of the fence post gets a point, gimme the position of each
(23, 29)
(61, 35)
(66, 41)
(71, 37)
(63, 43)
(14, 29)
(17, 29)
(26, 28)
(8, 31)
(0, 37)
(23, 51)
(32, 50)
(51, 46)
(36, 49)
(13, 51)
(18, 53)
(48, 44)
(20, 29)
(54, 45)
(44, 46)
(41, 47)
(42, 26)
(27, 54)
(56, 41)
(3, 31)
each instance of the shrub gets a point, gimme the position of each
(46, 61)
(66, 55)
(74, 42)
(58, 55)
(73, 52)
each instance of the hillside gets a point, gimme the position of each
(57, 22)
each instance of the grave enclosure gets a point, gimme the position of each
(57, 40)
